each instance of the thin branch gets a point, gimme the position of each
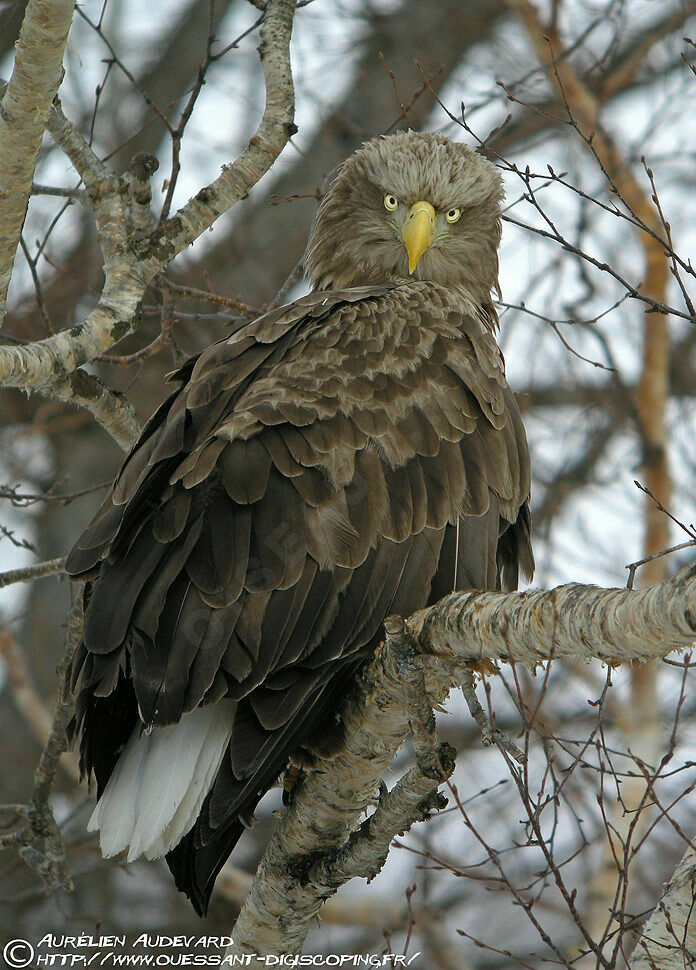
(177, 133)
(23, 500)
(112, 410)
(633, 566)
(60, 191)
(36, 834)
(28, 574)
(226, 301)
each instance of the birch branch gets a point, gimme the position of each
(109, 203)
(112, 410)
(583, 622)
(380, 911)
(616, 625)
(668, 940)
(27, 574)
(314, 849)
(35, 79)
(130, 264)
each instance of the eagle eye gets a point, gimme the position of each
(453, 214)
(391, 202)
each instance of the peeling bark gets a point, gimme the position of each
(613, 625)
(302, 865)
(668, 940)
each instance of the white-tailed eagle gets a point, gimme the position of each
(354, 454)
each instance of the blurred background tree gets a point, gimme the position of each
(587, 106)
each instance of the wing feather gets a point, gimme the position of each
(303, 482)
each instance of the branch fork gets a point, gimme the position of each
(133, 251)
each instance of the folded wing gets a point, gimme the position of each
(332, 462)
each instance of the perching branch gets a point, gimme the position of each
(374, 909)
(312, 852)
(614, 625)
(113, 410)
(583, 622)
(32, 87)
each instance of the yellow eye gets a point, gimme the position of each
(391, 202)
(453, 215)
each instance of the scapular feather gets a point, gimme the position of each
(135, 470)
(229, 374)
(419, 495)
(279, 453)
(98, 533)
(170, 442)
(220, 354)
(279, 531)
(313, 487)
(245, 466)
(420, 433)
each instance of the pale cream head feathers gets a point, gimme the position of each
(410, 206)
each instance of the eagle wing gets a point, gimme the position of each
(334, 461)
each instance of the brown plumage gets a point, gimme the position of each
(307, 478)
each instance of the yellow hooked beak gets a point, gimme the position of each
(417, 232)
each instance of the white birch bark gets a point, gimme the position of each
(130, 265)
(668, 940)
(304, 863)
(36, 75)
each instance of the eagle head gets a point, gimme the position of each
(409, 206)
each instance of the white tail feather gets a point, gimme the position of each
(157, 788)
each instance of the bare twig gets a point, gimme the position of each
(35, 712)
(37, 835)
(28, 574)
